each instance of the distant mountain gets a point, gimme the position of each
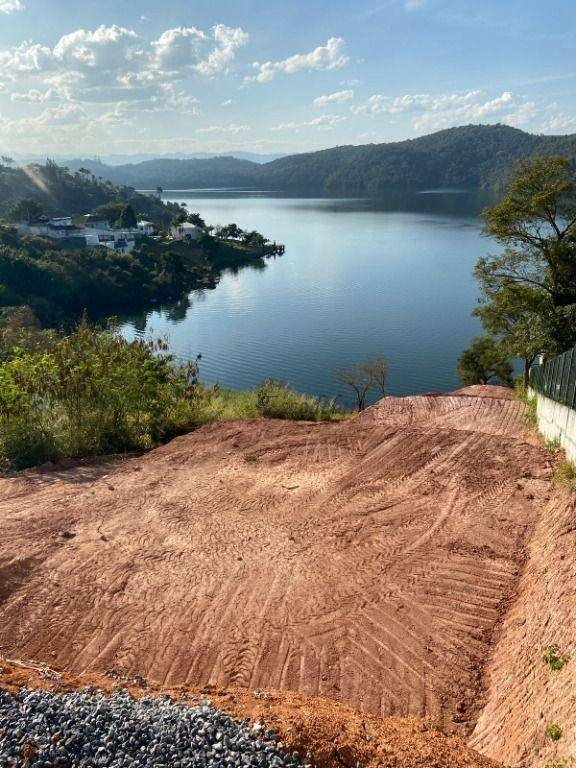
(468, 157)
(175, 174)
(254, 157)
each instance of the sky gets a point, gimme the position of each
(104, 77)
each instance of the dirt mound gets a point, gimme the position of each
(367, 561)
(324, 733)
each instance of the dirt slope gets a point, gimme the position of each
(368, 561)
(525, 694)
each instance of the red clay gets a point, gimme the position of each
(367, 561)
(324, 733)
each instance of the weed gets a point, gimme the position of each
(545, 570)
(561, 762)
(566, 475)
(531, 402)
(250, 458)
(555, 660)
(554, 732)
(554, 444)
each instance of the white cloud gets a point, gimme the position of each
(338, 97)
(413, 5)
(113, 73)
(206, 53)
(324, 122)
(375, 104)
(10, 6)
(230, 128)
(329, 56)
(34, 96)
(430, 113)
(25, 58)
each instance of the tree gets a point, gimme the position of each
(25, 210)
(536, 223)
(377, 370)
(358, 379)
(526, 322)
(484, 362)
(128, 218)
(111, 212)
(231, 232)
(195, 218)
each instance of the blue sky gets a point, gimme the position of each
(122, 77)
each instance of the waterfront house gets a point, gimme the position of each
(185, 231)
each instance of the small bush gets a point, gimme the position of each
(26, 444)
(554, 732)
(554, 658)
(562, 762)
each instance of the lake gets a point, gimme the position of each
(359, 278)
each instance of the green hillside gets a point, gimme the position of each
(468, 157)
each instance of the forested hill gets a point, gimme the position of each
(61, 193)
(176, 174)
(469, 157)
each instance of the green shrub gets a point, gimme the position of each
(91, 392)
(554, 732)
(555, 660)
(25, 444)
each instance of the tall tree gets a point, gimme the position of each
(536, 223)
(128, 218)
(526, 322)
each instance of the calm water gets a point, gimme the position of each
(359, 278)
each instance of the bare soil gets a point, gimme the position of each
(324, 733)
(368, 561)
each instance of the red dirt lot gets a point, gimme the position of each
(368, 561)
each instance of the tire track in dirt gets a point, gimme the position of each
(367, 561)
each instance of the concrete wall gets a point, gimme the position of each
(557, 421)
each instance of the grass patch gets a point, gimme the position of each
(531, 402)
(561, 762)
(271, 400)
(554, 658)
(565, 475)
(554, 732)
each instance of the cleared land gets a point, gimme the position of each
(367, 561)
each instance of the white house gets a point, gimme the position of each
(54, 228)
(185, 231)
(146, 228)
(116, 240)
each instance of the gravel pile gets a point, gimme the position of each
(88, 730)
